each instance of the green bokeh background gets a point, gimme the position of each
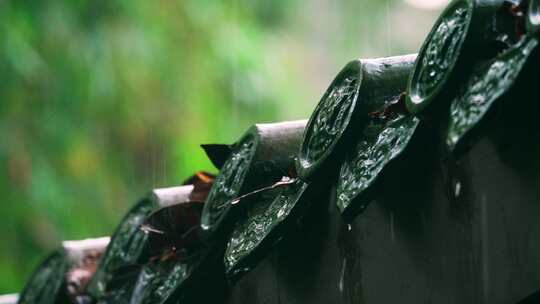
(102, 100)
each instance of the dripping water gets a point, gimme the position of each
(235, 77)
(392, 233)
(342, 276)
(452, 171)
(484, 244)
(457, 189)
(388, 38)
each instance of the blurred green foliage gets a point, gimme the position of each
(102, 100)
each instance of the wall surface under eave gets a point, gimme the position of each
(464, 230)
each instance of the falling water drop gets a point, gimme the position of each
(457, 189)
(388, 30)
(484, 247)
(342, 276)
(392, 234)
(349, 227)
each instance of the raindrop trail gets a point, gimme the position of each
(457, 189)
(342, 276)
(388, 38)
(484, 244)
(392, 233)
(235, 77)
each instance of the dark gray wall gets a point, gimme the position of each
(441, 230)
